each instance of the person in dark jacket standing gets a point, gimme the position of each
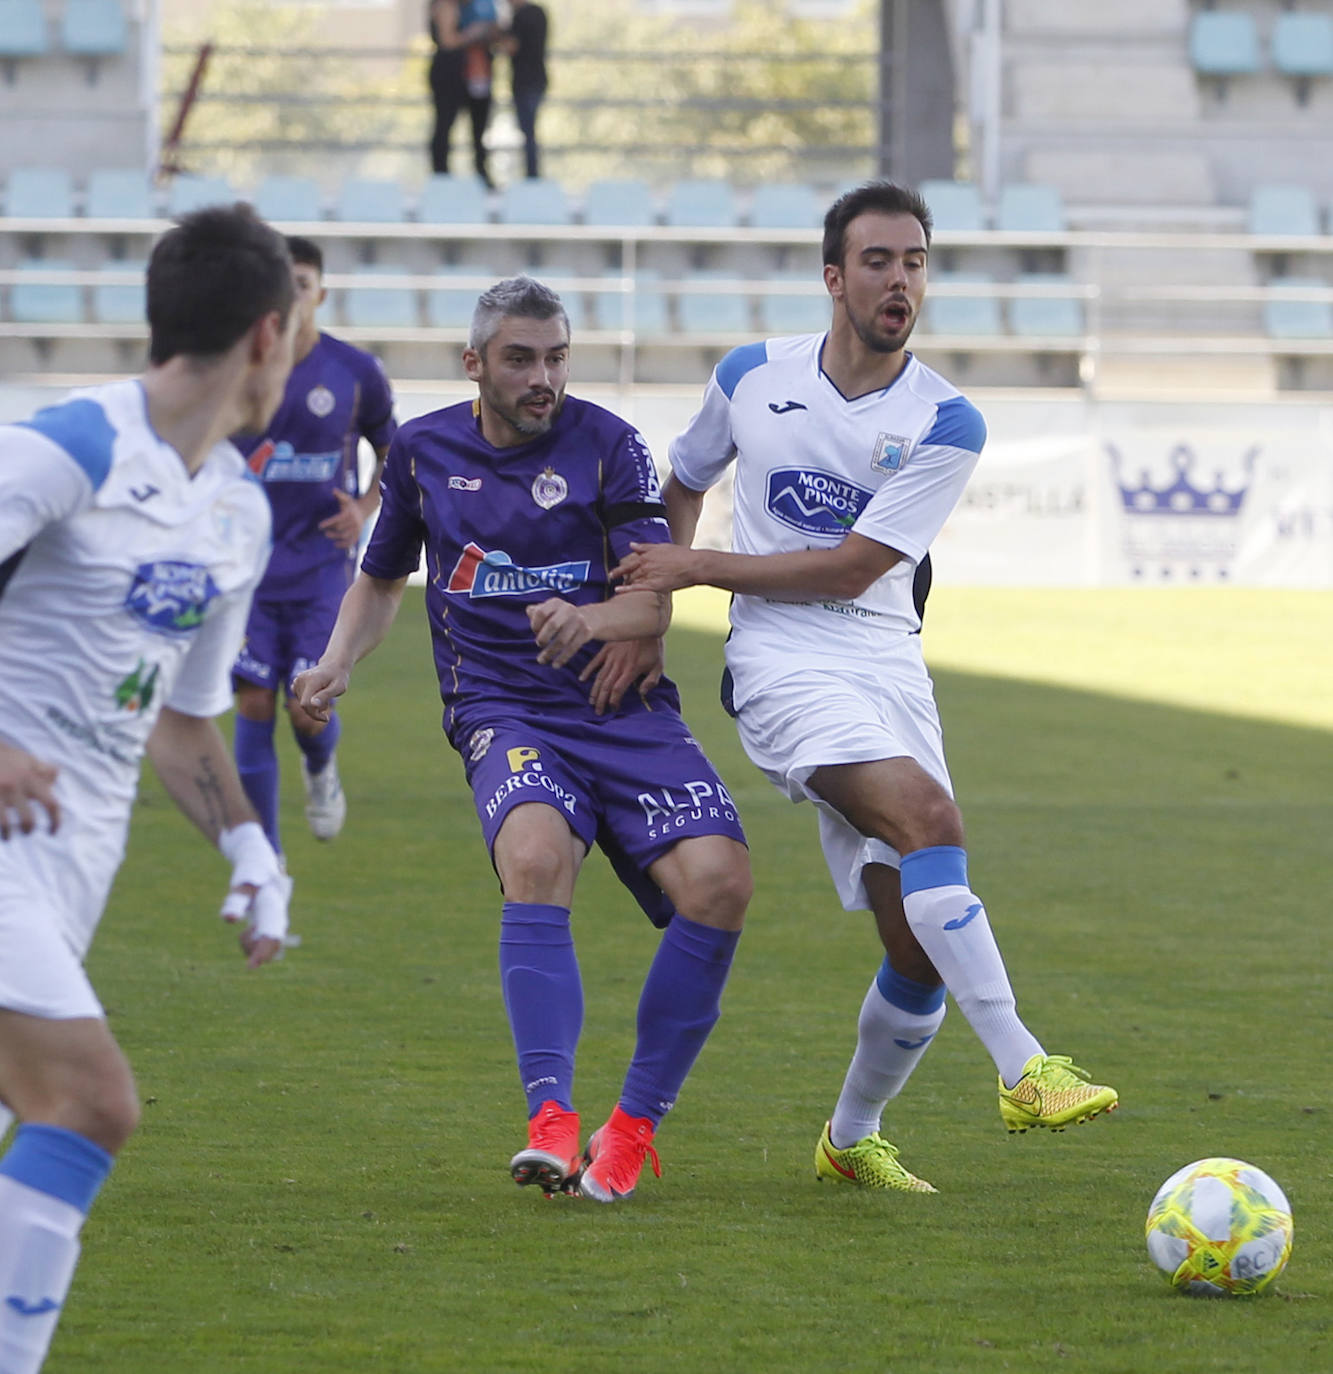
(460, 74)
(525, 43)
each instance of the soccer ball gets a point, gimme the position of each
(1219, 1227)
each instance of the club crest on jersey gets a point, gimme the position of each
(319, 401)
(890, 452)
(479, 573)
(813, 501)
(170, 597)
(479, 742)
(549, 489)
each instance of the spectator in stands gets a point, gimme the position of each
(460, 74)
(525, 43)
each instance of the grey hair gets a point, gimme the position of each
(524, 297)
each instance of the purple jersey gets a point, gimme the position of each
(504, 529)
(336, 394)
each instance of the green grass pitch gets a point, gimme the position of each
(320, 1179)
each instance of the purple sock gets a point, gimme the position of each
(543, 993)
(680, 1004)
(318, 749)
(257, 763)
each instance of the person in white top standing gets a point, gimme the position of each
(131, 539)
(850, 453)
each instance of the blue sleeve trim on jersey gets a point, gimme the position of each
(737, 363)
(81, 428)
(958, 424)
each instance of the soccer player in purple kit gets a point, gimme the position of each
(307, 462)
(524, 498)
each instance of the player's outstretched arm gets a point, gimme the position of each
(26, 787)
(562, 629)
(364, 618)
(683, 507)
(196, 768)
(843, 572)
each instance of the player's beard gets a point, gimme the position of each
(875, 337)
(530, 426)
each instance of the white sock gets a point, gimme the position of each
(950, 924)
(39, 1247)
(889, 1045)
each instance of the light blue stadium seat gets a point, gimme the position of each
(978, 315)
(119, 193)
(370, 200)
(193, 193)
(1046, 316)
(120, 302)
(22, 28)
(701, 202)
(368, 306)
(953, 204)
(452, 307)
(94, 28)
(33, 302)
(288, 198)
(534, 200)
(713, 312)
(1030, 208)
(1282, 209)
(453, 200)
(39, 193)
(619, 202)
(792, 314)
(785, 205)
(1302, 44)
(649, 309)
(1294, 319)
(1224, 43)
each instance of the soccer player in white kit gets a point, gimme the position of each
(131, 538)
(850, 453)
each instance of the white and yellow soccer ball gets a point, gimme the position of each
(1220, 1227)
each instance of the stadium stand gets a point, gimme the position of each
(373, 305)
(619, 202)
(192, 192)
(718, 309)
(22, 31)
(94, 28)
(44, 302)
(119, 194)
(789, 205)
(39, 193)
(289, 199)
(699, 202)
(534, 200)
(1224, 43)
(371, 200)
(453, 200)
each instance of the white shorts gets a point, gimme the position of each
(53, 889)
(816, 717)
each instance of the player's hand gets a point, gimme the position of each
(259, 893)
(615, 668)
(27, 785)
(345, 527)
(561, 630)
(316, 689)
(654, 568)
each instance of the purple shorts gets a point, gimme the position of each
(283, 638)
(635, 785)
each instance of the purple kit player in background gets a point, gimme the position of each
(523, 499)
(307, 461)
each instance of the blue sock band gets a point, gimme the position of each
(60, 1163)
(906, 993)
(679, 1006)
(543, 996)
(941, 865)
(318, 749)
(257, 764)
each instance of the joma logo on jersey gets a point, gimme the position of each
(814, 501)
(170, 597)
(280, 462)
(479, 574)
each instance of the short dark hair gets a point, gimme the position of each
(211, 276)
(524, 297)
(881, 197)
(306, 252)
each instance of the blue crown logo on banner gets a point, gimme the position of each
(1182, 528)
(1182, 496)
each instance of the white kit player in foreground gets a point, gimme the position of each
(131, 538)
(850, 453)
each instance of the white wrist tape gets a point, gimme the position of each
(253, 863)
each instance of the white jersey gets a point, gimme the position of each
(811, 466)
(124, 585)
